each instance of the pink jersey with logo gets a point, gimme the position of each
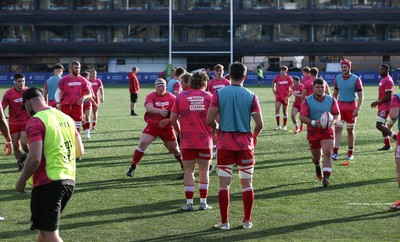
(13, 100)
(283, 85)
(297, 94)
(96, 85)
(161, 102)
(236, 140)
(385, 85)
(348, 105)
(216, 84)
(72, 89)
(192, 107)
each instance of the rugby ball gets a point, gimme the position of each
(326, 120)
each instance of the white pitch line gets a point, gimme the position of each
(369, 204)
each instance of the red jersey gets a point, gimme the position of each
(13, 100)
(134, 86)
(395, 103)
(96, 85)
(161, 102)
(305, 79)
(283, 85)
(297, 94)
(72, 89)
(216, 84)
(192, 107)
(308, 86)
(385, 85)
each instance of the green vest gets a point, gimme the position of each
(58, 144)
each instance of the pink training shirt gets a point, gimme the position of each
(395, 103)
(297, 94)
(216, 84)
(236, 140)
(283, 85)
(305, 79)
(13, 100)
(308, 86)
(72, 88)
(96, 85)
(385, 85)
(161, 102)
(192, 107)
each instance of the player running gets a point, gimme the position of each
(321, 140)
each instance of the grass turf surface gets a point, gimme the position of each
(289, 201)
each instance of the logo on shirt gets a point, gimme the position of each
(196, 103)
(218, 86)
(283, 82)
(18, 100)
(161, 104)
(71, 84)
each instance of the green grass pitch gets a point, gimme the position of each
(289, 201)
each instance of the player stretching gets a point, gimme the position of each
(321, 140)
(158, 105)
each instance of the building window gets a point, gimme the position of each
(16, 34)
(366, 32)
(53, 34)
(394, 32)
(130, 33)
(290, 33)
(91, 4)
(17, 5)
(90, 34)
(129, 4)
(54, 5)
(201, 33)
(331, 33)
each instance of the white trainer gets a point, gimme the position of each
(87, 134)
(277, 128)
(284, 128)
(225, 226)
(247, 224)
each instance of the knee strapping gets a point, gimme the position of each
(246, 172)
(225, 171)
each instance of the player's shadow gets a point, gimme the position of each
(294, 192)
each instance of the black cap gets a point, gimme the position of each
(58, 66)
(31, 93)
